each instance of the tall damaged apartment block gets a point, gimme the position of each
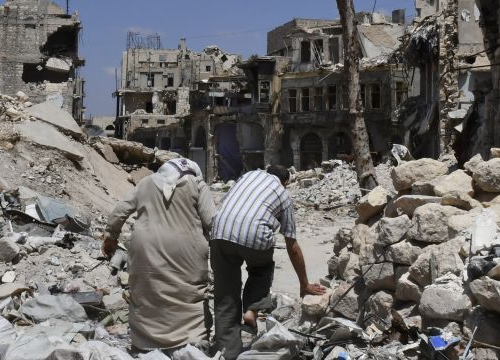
(158, 86)
(39, 54)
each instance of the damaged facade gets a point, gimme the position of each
(39, 54)
(447, 60)
(313, 99)
(156, 89)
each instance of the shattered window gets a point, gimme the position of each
(332, 97)
(401, 93)
(305, 100)
(375, 96)
(318, 99)
(264, 92)
(292, 100)
(318, 50)
(305, 51)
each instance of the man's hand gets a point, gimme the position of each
(109, 246)
(312, 289)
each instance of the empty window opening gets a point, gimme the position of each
(145, 121)
(171, 107)
(305, 99)
(29, 26)
(62, 42)
(318, 99)
(334, 45)
(110, 127)
(264, 86)
(362, 93)
(149, 107)
(305, 51)
(292, 100)
(375, 96)
(224, 58)
(36, 73)
(160, 122)
(168, 80)
(332, 97)
(208, 68)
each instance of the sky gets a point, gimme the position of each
(235, 26)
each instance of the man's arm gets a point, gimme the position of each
(297, 259)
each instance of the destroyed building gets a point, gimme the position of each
(446, 58)
(39, 54)
(156, 87)
(313, 96)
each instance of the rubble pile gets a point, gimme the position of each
(333, 185)
(423, 265)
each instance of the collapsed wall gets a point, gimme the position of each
(39, 53)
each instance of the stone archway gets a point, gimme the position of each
(311, 150)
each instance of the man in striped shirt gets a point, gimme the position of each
(243, 231)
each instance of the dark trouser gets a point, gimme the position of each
(226, 260)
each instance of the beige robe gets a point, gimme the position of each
(168, 262)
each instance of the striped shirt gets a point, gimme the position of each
(253, 210)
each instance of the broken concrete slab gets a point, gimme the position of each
(45, 307)
(46, 135)
(404, 175)
(59, 65)
(129, 152)
(445, 301)
(106, 151)
(51, 113)
(114, 302)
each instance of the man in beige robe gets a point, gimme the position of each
(168, 255)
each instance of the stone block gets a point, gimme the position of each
(316, 304)
(380, 276)
(405, 175)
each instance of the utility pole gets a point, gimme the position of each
(364, 163)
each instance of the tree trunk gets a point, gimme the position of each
(361, 145)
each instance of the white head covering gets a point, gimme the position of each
(170, 174)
